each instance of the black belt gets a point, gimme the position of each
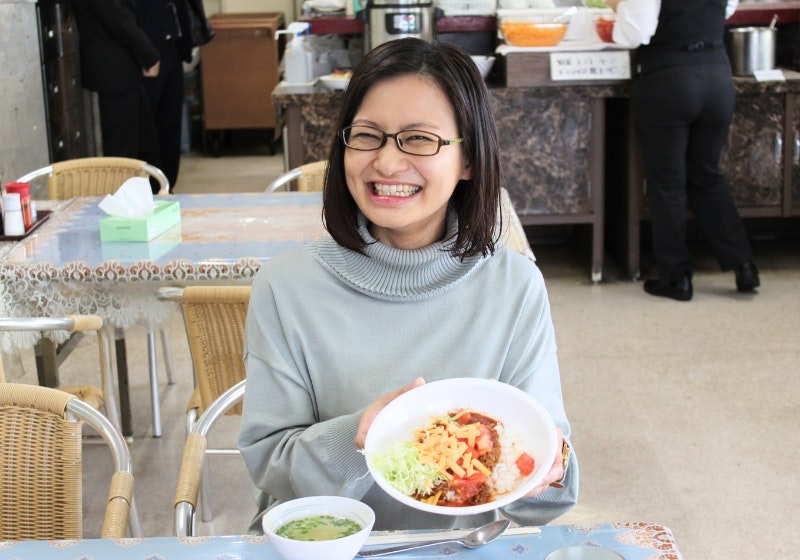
(701, 46)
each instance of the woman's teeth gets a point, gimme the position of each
(395, 190)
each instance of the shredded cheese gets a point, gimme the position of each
(448, 446)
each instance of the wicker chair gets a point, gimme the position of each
(215, 321)
(308, 177)
(190, 477)
(99, 176)
(41, 474)
(92, 395)
(95, 176)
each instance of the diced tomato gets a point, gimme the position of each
(525, 464)
(469, 486)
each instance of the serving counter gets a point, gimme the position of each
(569, 155)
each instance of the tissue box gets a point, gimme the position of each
(142, 228)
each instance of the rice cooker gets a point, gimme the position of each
(388, 20)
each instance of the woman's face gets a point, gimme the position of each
(405, 196)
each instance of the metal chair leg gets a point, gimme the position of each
(167, 356)
(154, 399)
(134, 526)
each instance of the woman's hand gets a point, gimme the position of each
(555, 473)
(372, 410)
(612, 4)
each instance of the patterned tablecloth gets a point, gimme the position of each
(634, 541)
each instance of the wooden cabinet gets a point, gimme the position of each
(239, 70)
(68, 116)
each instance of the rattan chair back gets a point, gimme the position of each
(94, 176)
(215, 321)
(305, 178)
(41, 493)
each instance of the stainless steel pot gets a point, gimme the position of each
(394, 19)
(751, 49)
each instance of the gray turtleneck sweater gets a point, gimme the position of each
(330, 330)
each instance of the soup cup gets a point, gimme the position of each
(343, 548)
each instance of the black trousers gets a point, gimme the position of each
(165, 97)
(126, 125)
(682, 115)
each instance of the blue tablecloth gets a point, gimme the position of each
(635, 541)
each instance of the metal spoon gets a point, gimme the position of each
(477, 538)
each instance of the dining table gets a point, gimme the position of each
(64, 268)
(632, 540)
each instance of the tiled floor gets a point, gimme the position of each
(684, 414)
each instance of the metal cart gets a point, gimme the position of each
(239, 70)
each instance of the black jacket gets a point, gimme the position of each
(113, 48)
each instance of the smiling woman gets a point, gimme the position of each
(340, 328)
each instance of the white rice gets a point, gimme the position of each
(505, 475)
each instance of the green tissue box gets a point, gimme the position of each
(142, 228)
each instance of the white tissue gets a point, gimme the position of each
(132, 199)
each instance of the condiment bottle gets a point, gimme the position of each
(12, 215)
(24, 191)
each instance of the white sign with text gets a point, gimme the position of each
(600, 65)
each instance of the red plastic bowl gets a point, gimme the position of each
(605, 29)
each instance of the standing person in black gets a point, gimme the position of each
(166, 23)
(115, 54)
(683, 102)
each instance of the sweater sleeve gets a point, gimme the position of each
(288, 449)
(532, 365)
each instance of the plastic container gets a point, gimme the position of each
(12, 215)
(24, 191)
(604, 24)
(298, 59)
(533, 27)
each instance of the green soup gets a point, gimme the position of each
(318, 528)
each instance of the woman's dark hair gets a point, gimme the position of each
(453, 71)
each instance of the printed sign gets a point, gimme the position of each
(599, 65)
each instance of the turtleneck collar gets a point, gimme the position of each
(392, 274)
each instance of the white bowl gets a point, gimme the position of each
(344, 548)
(484, 64)
(335, 81)
(515, 408)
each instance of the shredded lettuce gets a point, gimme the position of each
(594, 4)
(400, 465)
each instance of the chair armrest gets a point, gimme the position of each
(189, 477)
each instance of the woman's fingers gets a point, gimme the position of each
(372, 410)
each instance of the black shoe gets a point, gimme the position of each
(747, 277)
(680, 290)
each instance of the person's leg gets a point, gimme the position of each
(660, 109)
(709, 195)
(165, 97)
(119, 123)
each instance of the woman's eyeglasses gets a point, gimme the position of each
(414, 142)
